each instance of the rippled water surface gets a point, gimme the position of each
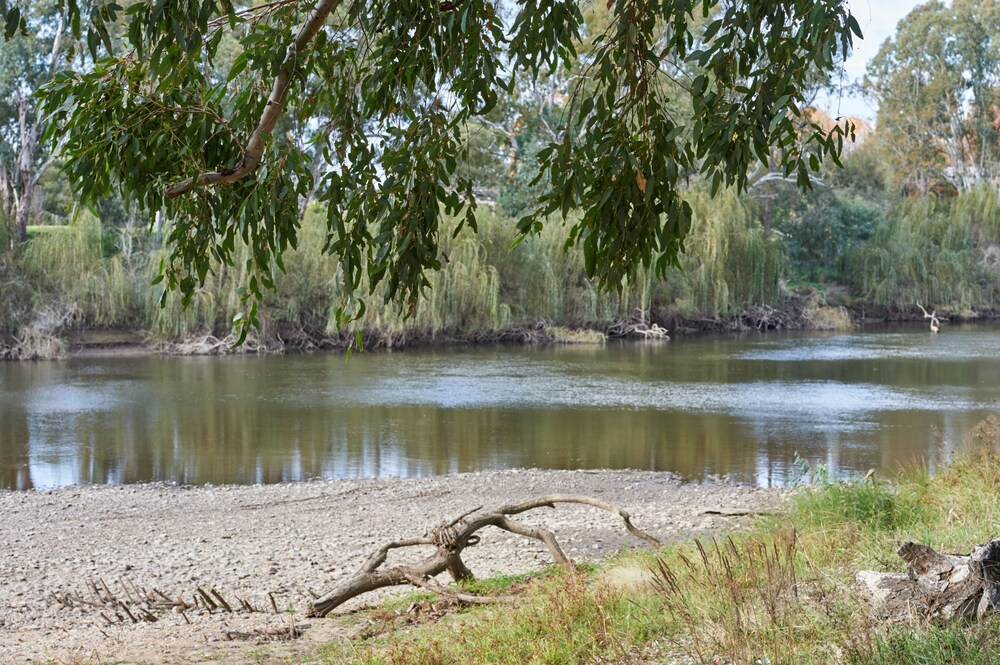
(741, 407)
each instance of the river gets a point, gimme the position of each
(745, 407)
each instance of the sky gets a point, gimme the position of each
(878, 19)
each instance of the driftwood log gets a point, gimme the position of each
(938, 586)
(935, 321)
(637, 325)
(448, 540)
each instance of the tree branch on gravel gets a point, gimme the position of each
(449, 539)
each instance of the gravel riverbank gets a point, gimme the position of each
(282, 541)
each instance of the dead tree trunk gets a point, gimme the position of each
(938, 586)
(935, 321)
(449, 539)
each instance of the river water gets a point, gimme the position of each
(744, 407)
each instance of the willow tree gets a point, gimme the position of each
(385, 88)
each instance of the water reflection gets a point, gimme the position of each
(706, 407)
(15, 468)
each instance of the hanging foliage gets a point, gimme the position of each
(381, 92)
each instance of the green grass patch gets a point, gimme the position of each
(498, 584)
(562, 618)
(401, 603)
(870, 506)
(932, 645)
(35, 231)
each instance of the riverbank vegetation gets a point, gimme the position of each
(735, 273)
(85, 275)
(782, 591)
(912, 217)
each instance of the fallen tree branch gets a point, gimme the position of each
(448, 540)
(935, 321)
(637, 325)
(735, 512)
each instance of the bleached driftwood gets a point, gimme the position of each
(935, 321)
(938, 586)
(448, 540)
(637, 325)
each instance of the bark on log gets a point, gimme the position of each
(938, 586)
(448, 540)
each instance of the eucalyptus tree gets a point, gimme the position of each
(29, 58)
(389, 88)
(937, 82)
(977, 44)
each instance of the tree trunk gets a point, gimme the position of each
(17, 186)
(938, 586)
(24, 210)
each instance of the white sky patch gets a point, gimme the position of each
(878, 19)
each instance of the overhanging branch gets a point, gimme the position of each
(272, 110)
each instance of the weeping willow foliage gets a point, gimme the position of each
(541, 279)
(210, 309)
(939, 253)
(16, 295)
(486, 284)
(463, 297)
(66, 266)
(729, 262)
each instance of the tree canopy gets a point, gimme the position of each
(937, 82)
(223, 116)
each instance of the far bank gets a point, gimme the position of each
(70, 285)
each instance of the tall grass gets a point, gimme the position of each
(740, 601)
(931, 645)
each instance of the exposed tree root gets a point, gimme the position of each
(40, 340)
(449, 539)
(209, 345)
